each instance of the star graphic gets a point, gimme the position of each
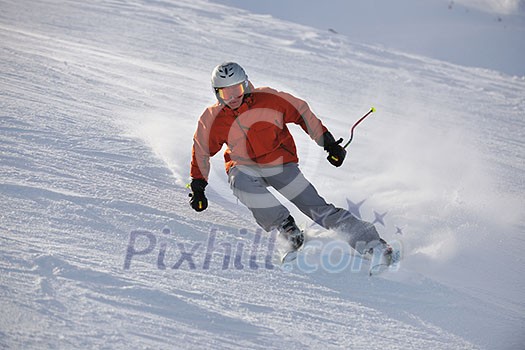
(319, 219)
(322, 219)
(379, 218)
(398, 231)
(354, 207)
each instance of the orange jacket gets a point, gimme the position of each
(255, 133)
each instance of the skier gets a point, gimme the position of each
(261, 152)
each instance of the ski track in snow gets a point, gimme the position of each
(99, 103)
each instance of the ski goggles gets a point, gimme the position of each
(231, 92)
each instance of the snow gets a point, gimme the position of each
(99, 103)
(480, 33)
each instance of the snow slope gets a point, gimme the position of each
(99, 249)
(479, 33)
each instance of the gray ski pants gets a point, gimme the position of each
(250, 185)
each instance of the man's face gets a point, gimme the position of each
(232, 95)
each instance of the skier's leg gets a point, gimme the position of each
(292, 184)
(251, 190)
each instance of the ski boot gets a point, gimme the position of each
(381, 257)
(291, 232)
(295, 238)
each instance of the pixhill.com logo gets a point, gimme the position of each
(239, 253)
(201, 255)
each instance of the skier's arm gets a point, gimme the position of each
(300, 114)
(297, 111)
(200, 160)
(205, 145)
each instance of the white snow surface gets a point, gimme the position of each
(474, 33)
(100, 100)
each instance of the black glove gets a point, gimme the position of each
(198, 200)
(336, 153)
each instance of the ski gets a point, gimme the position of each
(291, 255)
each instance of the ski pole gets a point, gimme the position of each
(372, 110)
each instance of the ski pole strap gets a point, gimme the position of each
(372, 110)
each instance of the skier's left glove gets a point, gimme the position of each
(198, 200)
(336, 153)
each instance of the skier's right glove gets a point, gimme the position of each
(198, 200)
(336, 152)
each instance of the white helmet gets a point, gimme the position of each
(228, 74)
